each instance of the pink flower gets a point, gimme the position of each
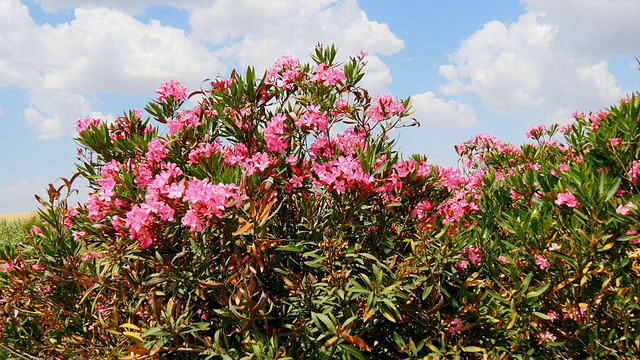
(35, 230)
(567, 128)
(313, 118)
(86, 123)
(536, 131)
(633, 232)
(554, 247)
(546, 336)
(553, 315)
(328, 76)
(91, 255)
(274, 134)
(504, 260)
(542, 262)
(6, 267)
(580, 314)
(287, 68)
(567, 198)
(615, 141)
(455, 326)
(563, 167)
(38, 267)
(634, 172)
(383, 107)
(172, 89)
(625, 209)
(363, 54)
(156, 150)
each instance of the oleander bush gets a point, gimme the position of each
(275, 218)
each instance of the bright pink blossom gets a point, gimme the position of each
(383, 107)
(274, 134)
(455, 326)
(328, 76)
(563, 167)
(156, 150)
(313, 118)
(287, 68)
(542, 262)
(567, 198)
(86, 123)
(536, 131)
(634, 172)
(172, 89)
(625, 209)
(546, 336)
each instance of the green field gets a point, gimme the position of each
(13, 231)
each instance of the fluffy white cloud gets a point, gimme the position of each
(593, 27)
(433, 112)
(541, 62)
(53, 114)
(106, 49)
(128, 6)
(254, 32)
(19, 63)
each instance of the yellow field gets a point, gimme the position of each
(18, 216)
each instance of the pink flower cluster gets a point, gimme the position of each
(471, 254)
(625, 209)
(184, 119)
(328, 76)
(542, 262)
(313, 118)
(86, 123)
(383, 107)
(206, 201)
(566, 198)
(288, 69)
(536, 131)
(171, 89)
(341, 175)
(274, 135)
(634, 172)
(465, 192)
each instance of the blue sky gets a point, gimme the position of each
(470, 66)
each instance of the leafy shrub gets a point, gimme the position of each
(275, 219)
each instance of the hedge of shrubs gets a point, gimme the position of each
(276, 219)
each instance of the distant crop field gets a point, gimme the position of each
(13, 227)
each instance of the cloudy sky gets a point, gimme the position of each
(470, 66)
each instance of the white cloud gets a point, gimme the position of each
(108, 50)
(433, 112)
(128, 6)
(540, 62)
(593, 27)
(53, 114)
(18, 62)
(105, 49)
(254, 32)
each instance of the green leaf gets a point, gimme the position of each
(538, 291)
(319, 319)
(541, 315)
(473, 349)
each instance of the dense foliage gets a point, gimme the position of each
(276, 219)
